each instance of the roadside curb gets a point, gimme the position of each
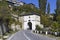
(42, 35)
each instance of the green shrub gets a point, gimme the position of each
(38, 27)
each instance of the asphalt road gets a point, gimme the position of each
(28, 35)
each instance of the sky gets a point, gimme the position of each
(35, 2)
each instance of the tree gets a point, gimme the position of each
(48, 8)
(58, 18)
(58, 11)
(5, 15)
(42, 5)
(26, 8)
(45, 21)
(55, 26)
(58, 7)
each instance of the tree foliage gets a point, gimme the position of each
(58, 19)
(45, 20)
(42, 5)
(26, 8)
(38, 27)
(55, 26)
(56, 22)
(58, 11)
(48, 8)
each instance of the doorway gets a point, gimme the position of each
(30, 25)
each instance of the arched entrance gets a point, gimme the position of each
(30, 25)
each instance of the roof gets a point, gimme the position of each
(29, 13)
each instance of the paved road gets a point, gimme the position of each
(28, 35)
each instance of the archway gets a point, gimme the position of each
(30, 25)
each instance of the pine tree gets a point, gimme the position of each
(58, 7)
(42, 5)
(48, 8)
(58, 10)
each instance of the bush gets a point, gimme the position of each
(55, 27)
(38, 27)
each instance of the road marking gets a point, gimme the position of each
(26, 36)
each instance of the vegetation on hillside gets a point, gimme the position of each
(46, 20)
(52, 22)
